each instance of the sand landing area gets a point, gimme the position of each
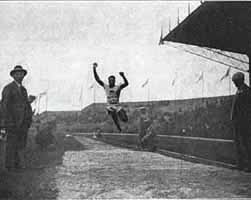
(86, 169)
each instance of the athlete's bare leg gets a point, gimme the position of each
(116, 120)
(122, 115)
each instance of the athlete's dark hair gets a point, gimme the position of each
(112, 76)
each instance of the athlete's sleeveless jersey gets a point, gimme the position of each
(112, 94)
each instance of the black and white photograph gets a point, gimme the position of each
(125, 100)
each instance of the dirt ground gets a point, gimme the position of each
(93, 169)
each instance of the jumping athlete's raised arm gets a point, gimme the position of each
(125, 84)
(95, 65)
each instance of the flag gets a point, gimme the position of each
(145, 83)
(161, 37)
(201, 77)
(226, 74)
(174, 80)
(91, 86)
(42, 93)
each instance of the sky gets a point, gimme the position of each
(57, 42)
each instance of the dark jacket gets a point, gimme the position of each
(241, 112)
(16, 110)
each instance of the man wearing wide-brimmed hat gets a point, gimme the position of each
(241, 116)
(17, 117)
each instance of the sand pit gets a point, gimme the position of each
(98, 170)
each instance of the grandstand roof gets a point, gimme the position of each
(219, 25)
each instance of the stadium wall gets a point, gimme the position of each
(205, 117)
(197, 127)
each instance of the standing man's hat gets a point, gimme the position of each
(18, 68)
(238, 76)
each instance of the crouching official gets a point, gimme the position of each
(143, 124)
(148, 140)
(17, 117)
(147, 131)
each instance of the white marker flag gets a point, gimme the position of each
(145, 83)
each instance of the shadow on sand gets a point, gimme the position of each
(37, 181)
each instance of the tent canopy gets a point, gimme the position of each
(220, 25)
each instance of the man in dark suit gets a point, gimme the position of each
(241, 116)
(17, 116)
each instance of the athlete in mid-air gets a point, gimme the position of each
(112, 91)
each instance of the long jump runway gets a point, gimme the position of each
(103, 171)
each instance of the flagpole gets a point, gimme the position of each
(229, 82)
(46, 106)
(188, 8)
(203, 88)
(175, 96)
(94, 94)
(229, 79)
(81, 103)
(161, 36)
(174, 84)
(81, 97)
(94, 101)
(38, 109)
(228, 75)
(48, 85)
(148, 92)
(178, 18)
(46, 102)
(202, 79)
(175, 121)
(169, 24)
